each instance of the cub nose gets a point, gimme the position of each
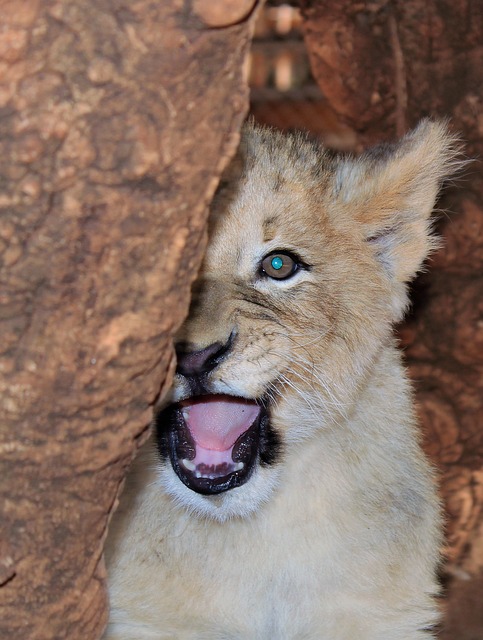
(196, 362)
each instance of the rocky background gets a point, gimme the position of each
(116, 120)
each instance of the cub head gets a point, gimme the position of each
(306, 270)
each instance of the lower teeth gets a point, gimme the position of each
(213, 471)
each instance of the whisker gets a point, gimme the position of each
(315, 410)
(330, 399)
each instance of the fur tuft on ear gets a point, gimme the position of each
(391, 191)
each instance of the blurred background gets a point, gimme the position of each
(283, 91)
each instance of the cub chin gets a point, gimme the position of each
(284, 494)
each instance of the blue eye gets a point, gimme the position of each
(279, 265)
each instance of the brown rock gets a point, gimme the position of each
(116, 123)
(222, 14)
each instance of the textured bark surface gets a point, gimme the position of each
(384, 65)
(116, 119)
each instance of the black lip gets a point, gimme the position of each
(174, 442)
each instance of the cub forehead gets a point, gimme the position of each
(258, 219)
(281, 172)
(264, 197)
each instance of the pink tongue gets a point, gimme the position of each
(216, 423)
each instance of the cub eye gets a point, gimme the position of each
(279, 265)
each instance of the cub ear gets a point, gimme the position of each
(391, 191)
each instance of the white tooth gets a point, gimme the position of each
(238, 466)
(188, 464)
(185, 414)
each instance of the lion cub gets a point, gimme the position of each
(284, 495)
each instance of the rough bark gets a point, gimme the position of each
(116, 118)
(383, 65)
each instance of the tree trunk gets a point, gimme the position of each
(116, 121)
(382, 66)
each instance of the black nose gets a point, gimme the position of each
(196, 362)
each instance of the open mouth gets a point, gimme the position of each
(213, 441)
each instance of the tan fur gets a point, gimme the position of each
(339, 539)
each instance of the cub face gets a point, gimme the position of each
(306, 269)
